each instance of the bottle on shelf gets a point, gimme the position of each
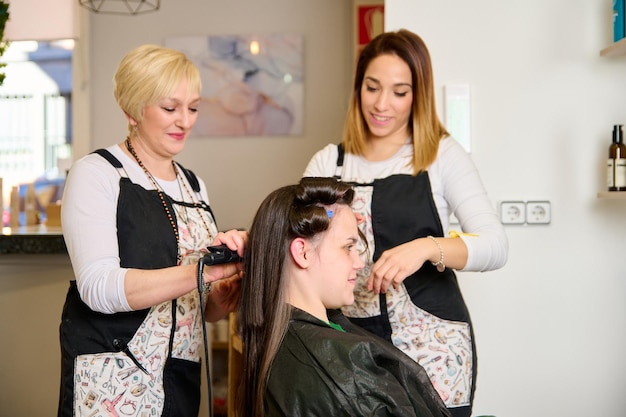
(616, 164)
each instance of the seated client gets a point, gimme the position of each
(301, 356)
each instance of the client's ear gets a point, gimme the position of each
(298, 249)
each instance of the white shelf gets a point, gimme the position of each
(616, 49)
(612, 195)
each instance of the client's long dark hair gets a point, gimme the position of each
(289, 212)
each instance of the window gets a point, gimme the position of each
(36, 117)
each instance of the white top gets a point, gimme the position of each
(89, 221)
(456, 186)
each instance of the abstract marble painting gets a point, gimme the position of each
(252, 85)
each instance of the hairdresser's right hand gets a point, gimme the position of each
(397, 263)
(235, 240)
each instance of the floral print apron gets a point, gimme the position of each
(426, 317)
(140, 363)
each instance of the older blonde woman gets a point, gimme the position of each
(136, 223)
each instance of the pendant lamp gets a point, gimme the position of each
(131, 7)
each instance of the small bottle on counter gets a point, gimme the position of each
(616, 164)
(1, 204)
(15, 207)
(30, 206)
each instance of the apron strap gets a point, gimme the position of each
(341, 152)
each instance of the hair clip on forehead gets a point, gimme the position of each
(330, 214)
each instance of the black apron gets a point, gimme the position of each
(402, 210)
(146, 240)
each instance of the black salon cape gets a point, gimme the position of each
(321, 371)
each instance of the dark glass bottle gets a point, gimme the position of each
(616, 164)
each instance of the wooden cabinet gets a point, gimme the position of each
(226, 368)
(234, 363)
(219, 372)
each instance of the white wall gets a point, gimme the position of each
(551, 324)
(239, 171)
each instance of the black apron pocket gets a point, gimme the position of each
(181, 381)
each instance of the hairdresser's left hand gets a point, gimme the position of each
(225, 278)
(223, 298)
(395, 264)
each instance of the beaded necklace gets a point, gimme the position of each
(196, 205)
(155, 184)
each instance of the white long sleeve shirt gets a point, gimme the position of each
(456, 186)
(89, 221)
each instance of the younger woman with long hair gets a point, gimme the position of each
(409, 176)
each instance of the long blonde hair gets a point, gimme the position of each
(425, 126)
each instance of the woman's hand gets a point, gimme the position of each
(235, 240)
(397, 263)
(225, 278)
(223, 298)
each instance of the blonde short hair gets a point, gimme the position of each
(149, 73)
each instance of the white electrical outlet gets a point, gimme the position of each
(538, 212)
(512, 212)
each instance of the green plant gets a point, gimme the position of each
(4, 16)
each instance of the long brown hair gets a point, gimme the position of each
(263, 316)
(425, 126)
